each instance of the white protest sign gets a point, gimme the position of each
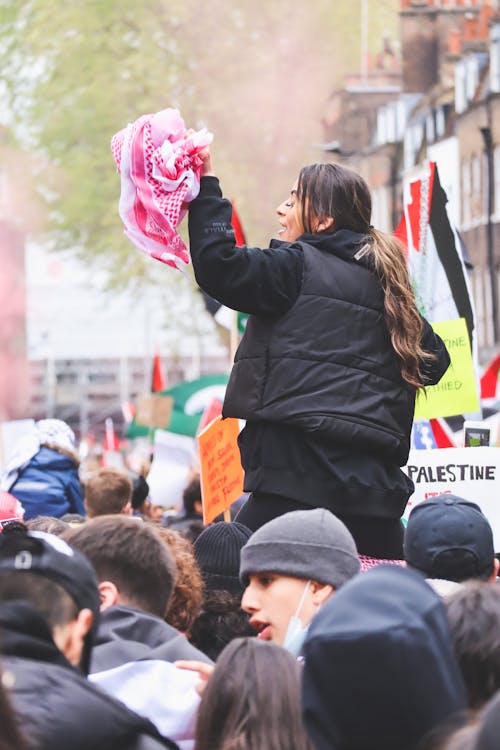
(471, 473)
(173, 456)
(10, 434)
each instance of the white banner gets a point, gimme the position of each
(471, 473)
(172, 458)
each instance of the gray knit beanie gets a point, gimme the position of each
(308, 544)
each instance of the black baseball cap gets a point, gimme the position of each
(449, 537)
(51, 557)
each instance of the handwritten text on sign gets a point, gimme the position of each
(456, 392)
(471, 473)
(220, 467)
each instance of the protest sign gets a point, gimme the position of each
(456, 392)
(10, 433)
(471, 473)
(153, 410)
(220, 466)
(173, 456)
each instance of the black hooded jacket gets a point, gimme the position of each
(58, 707)
(379, 665)
(316, 377)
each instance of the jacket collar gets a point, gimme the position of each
(119, 623)
(344, 243)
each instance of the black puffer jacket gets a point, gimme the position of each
(59, 708)
(327, 365)
(315, 376)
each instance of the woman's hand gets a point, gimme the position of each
(206, 157)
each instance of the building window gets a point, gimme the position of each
(430, 127)
(440, 123)
(380, 209)
(471, 77)
(391, 123)
(477, 198)
(495, 58)
(400, 119)
(466, 193)
(460, 90)
(496, 175)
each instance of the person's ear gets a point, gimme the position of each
(127, 509)
(321, 592)
(494, 574)
(325, 224)
(108, 594)
(69, 638)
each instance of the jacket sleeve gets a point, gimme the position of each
(248, 279)
(434, 370)
(75, 495)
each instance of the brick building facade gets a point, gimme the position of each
(447, 110)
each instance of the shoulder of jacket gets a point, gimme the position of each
(72, 455)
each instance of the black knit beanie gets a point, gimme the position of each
(217, 552)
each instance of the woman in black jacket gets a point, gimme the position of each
(334, 353)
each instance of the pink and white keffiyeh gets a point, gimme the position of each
(160, 174)
(372, 562)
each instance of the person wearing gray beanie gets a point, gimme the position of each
(290, 567)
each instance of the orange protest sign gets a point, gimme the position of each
(220, 466)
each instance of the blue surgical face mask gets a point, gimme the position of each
(296, 633)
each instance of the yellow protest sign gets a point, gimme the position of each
(220, 467)
(456, 392)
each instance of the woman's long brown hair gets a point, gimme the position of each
(331, 190)
(252, 700)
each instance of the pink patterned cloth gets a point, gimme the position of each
(160, 174)
(371, 562)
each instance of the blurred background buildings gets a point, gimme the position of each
(434, 93)
(438, 99)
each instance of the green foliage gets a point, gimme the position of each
(257, 73)
(78, 72)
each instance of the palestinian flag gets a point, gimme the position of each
(489, 380)
(438, 269)
(238, 228)
(435, 257)
(191, 398)
(157, 376)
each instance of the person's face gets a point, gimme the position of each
(288, 214)
(156, 512)
(272, 599)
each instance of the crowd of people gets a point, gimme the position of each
(119, 630)
(314, 620)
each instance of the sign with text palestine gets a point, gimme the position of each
(456, 392)
(220, 467)
(471, 473)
